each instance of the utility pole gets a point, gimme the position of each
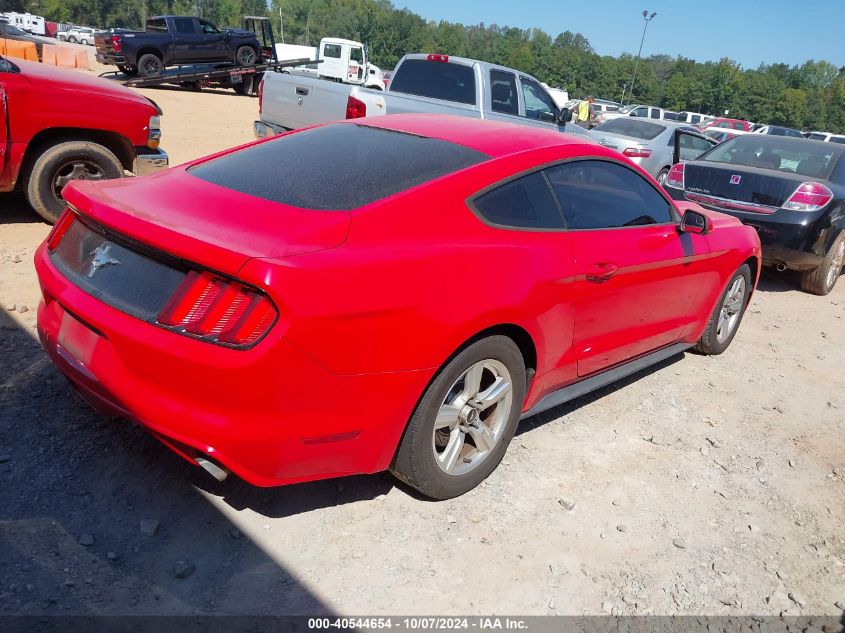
(648, 18)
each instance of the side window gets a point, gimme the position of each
(737, 125)
(184, 26)
(332, 50)
(526, 202)
(356, 55)
(598, 194)
(537, 101)
(159, 25)
(655, 113)
(208, 28)
(643, 112)
(695, 119)
(503, 95)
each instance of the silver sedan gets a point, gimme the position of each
(651, 144)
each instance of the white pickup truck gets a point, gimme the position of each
(420, 83)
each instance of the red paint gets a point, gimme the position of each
(42, 98)
(370, 304)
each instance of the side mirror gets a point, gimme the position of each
(695, 222)
(548, 117)
(565, 115)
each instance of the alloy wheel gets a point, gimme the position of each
(836, 264)
(472, 418)
(75, 170)
(731, 309)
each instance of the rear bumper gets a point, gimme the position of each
(111, 58)
(793, 239)
(263, 130)
(270, 414)
(149, 161)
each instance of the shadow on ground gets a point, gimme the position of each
(76, 486)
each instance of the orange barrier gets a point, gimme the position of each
(49, 54)
(66, 57)
(21, 50)
(82, 59)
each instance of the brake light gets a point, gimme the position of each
(218, 310)
(115, 42)
(809, 196)
(675, 177)
(260, 95)
(355, 109)
(436, 57)
(636, 152)
(62, 225)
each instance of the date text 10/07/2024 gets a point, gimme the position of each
(419, 623)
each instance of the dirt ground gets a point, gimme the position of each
(703, 486)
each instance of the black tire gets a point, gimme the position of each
(822, 280)
(246, 56)
(415, 462)
(150, 65)
(661, 176)
(126, 69)
(709, 343)
(57, 163)
(72, 39)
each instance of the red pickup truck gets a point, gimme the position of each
(62, 125)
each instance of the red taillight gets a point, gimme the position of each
(218, 310)
(260, 95)
(675, 177)
(436, 57)
(355, 109)
(636, 152)
(115, 42)
(60, 228)
(810, 196)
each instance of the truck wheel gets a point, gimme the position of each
(72, 39)
(821, 280)
(128, 70)
(150, 65)
(246, 56)
(58, 165)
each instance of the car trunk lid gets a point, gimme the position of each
(204, 223)
(715, 183)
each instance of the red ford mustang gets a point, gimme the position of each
(379, 294)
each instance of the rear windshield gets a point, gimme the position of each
(338, 166)
(789, 155)
(627, 126)
(438, 80)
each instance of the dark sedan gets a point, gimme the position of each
(791, 190)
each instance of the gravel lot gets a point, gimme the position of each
(703, 486)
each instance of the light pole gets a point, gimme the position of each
(648, 18)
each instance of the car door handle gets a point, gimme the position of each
(601, 272)
(302, 92)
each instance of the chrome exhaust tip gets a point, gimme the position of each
(780, 267)
(213, 469)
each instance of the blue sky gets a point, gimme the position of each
(748, 31)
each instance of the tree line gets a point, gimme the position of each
(806, 96)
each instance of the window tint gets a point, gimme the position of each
(157, 24)
(838, 139)
(503, 95)
(736, 125)
(777, 152)
(339, 166)
(627, 126)
(600, 194)
(208, 28)
(537, 101)
(695, 119)
(655, 113)
(184, 26)
(525, 202)
(332, 50)
(438, 80)
(642, 112)
(817, 137)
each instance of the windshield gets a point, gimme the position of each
(628, 126)
(788, 155)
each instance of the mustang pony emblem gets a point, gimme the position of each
(101, 259)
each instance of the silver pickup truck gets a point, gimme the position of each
(420, 83)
